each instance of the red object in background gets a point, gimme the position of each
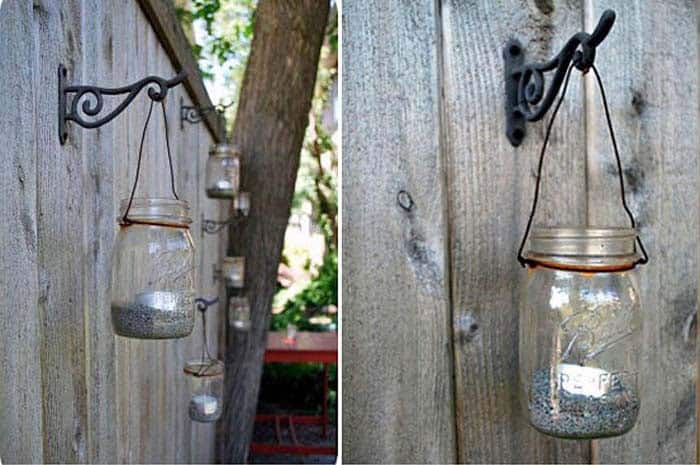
(308, 348)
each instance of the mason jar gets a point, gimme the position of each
(206, 384)
(153, 271)
(222, 172)
(580, 332)
(233, 270)
(239, 313)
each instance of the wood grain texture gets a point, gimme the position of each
(648, 65)
(271, 120)
(20, 328)
(98, 233)
(490, 187)
(397, 361)
(58, 30)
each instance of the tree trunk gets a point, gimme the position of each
(269, 129)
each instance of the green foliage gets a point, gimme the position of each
(226, 32)
(314, 300)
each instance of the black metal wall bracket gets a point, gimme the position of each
(213, 226)
(525, 82)
(194, 115)
(92, 98)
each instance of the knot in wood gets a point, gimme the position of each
(405, 200)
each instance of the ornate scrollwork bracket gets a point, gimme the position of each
(194, 115)
(92, 98)
(526, 99)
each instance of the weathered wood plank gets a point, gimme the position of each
(187, 177)
(98, 230)
(397, 362)
(650, 78)
(21, 432)
(490, 187)
(58, 36)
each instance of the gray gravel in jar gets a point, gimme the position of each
(577, 416)
(146, 322)
(219, 193)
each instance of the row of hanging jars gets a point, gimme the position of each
(233, 273)
(153, 275)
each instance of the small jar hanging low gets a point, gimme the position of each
(239, 313)
(580, 321)
(153, 265)
(206, 383)
(222, 172)
(205, 378)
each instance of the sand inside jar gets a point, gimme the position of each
(143, 321)
(221, 192)
(575, 415)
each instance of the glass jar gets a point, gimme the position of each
(241, 204)
(206, 383)
(153, 271)
(580, 333)
(233, 269)
(239, 313)
(223, 172)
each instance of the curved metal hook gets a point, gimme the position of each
(194, 114)
(203, 304)
(92, 98)
(525, 84)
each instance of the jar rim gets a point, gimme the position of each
(157, 210)
(224, 150)
(589, 249)
(204, 368)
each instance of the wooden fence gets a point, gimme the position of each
(430, 294)
(70, 391)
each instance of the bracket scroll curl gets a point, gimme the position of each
(92, 98)
(194, 114)
(526, 99)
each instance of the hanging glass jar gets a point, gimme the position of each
(233, 270)
(153, 262)
(153, 270)
(239, 313)
(206, 383)
(580, 332)
(222, 172)
(580, 320)
(241, 204)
